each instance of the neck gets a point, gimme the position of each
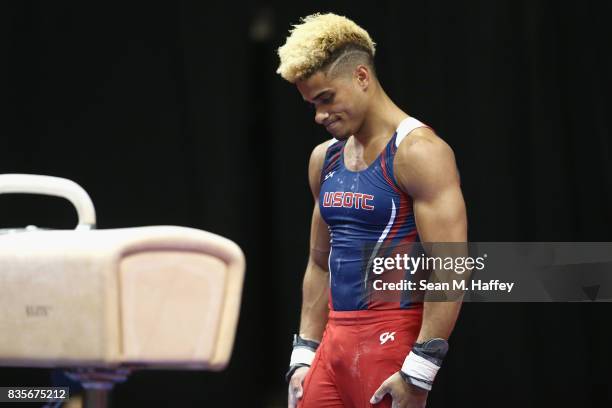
(381, 119)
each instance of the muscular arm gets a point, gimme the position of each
(425, 169)
(316, 279)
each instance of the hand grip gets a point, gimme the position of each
(52, 186)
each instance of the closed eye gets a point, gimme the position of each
(326, 99)
(323, 99)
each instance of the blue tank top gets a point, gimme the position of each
(368, 216)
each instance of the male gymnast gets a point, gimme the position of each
(384, 179)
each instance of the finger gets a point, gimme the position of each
(292, 401)
(299, 391)
(379, 394)
(296, 387)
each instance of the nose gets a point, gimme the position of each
(321, 116)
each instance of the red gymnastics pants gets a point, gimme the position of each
(360, 349)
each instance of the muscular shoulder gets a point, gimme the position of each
(315, 165)
(424, 163)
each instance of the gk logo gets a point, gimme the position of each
(386, 336)
(328, 175)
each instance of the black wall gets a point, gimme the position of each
(171, 113)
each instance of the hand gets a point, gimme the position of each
(295, 386)
(404, 395)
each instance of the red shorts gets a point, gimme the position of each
(359, 350)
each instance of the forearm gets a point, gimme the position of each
(315, 294)
(313, 317)
(444, 227)
(439, 319)
(440, 314)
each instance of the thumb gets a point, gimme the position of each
(295, 393)
(299, 391)
(295, 389)
(379, 394)
(291, 402)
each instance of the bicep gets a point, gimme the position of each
(441, 217)
(428, 173)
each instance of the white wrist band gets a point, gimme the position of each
(301, 355)
(421, 371)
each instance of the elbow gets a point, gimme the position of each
(319, 258)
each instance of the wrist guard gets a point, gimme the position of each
(302, 355)
(423, 362)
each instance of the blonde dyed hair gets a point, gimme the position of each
(312, 44)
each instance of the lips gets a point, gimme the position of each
(331, 124)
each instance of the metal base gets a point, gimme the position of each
(98, 384)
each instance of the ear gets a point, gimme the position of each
(362, 77)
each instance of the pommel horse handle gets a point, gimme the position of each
(52, 186)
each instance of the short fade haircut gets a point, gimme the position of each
(324, 41)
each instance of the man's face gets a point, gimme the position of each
(339, 103)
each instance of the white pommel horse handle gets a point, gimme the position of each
(52, 186)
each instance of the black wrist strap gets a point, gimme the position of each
(303, 343)
(433, 350)
(300, 342)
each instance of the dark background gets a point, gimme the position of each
(171, 113)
